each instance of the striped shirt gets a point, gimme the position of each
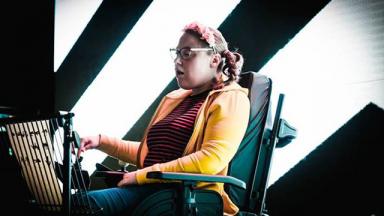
(168, 138)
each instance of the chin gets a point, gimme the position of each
(184, 85)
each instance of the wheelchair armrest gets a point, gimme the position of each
(192, 177)
(109, 174)
(111, 178)
(102, 167)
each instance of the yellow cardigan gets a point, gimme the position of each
(219, 128)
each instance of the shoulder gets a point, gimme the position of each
(232, 98)
(232, 92)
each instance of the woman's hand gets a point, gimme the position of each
(89, 142)
(129, 178)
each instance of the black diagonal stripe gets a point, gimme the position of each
(261, 28)
(108, 27)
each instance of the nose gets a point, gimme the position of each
(177, 60)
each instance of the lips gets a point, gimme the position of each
(179, 72)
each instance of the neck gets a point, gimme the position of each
(201, 89)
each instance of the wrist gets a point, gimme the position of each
(135, 178)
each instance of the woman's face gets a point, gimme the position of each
(196, 71)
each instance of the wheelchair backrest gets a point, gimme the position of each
(244, 163)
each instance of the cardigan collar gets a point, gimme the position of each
(182, 93)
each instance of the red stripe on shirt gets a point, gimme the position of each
(167, 138)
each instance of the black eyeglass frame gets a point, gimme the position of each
(185, 52)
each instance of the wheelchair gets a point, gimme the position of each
(248, 171)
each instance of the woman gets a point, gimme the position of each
(195, 129)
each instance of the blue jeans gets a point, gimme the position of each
(122, 201)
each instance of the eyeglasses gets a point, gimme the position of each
(186, 52)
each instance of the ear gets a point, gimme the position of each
(215, 60)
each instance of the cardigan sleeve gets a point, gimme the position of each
(225, 127)
(123, 149)
(118, 148)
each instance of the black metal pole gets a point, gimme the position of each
(270, 149)
(67, 164)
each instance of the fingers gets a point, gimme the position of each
(79, 151)
(122, 183)
(129, 178)
(125, 181)
(84, 143)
